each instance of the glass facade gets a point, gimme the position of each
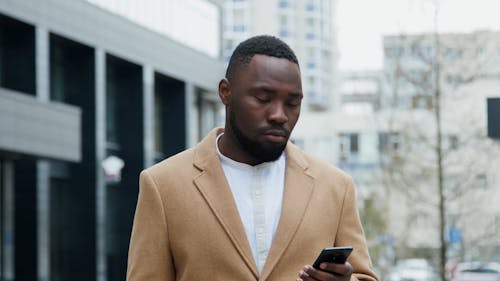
(17, 72)
(124, 97)
(72, 185)
(170, 116)
(52, 226)
(17, 55)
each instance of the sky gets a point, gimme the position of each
(362, 23)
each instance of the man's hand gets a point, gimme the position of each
(328, 272)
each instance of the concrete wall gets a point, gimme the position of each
(39, 129)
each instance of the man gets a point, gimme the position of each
(245, 203)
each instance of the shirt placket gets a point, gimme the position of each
(260, 218)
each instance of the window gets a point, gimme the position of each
(422, 102)
(416, 51)
(158, 123)
(354, 145)
(480, 53)
(111, 110)
(283, 4)
(453, 142)
(57, 74)
(311, 80)
(284, 33)
(311, 52)
(310, 6)
(482, 181)
(453, 54)
(388, 141)
(393, 52)
(283, 20)
(348, 146)
(310, 36)
(357, 107)
(284, 26)
(454, 79)
(238, 14)
(310, 23)
(229, 45)
(427, 51)
(239, 28)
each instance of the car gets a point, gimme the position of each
(477, 271)
(413, 270)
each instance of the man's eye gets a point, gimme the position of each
(262, 99)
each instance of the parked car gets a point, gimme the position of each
(413, 270)
(477, 271)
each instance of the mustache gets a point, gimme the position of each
(275, 130)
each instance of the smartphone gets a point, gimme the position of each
(333, 254)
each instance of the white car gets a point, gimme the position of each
(413, 270)
(477, 271)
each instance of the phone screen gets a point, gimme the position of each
(333, 254)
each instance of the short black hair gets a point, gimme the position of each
(262, 45)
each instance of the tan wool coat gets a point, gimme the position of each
(187, 226)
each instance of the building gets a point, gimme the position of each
(344, 136)
(456, 73)
(411, 61)
(308, 26)
(91, 92)
(360, 91)
(384, 135)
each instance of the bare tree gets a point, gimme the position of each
(440, 163)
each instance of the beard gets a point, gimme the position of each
(255, 149)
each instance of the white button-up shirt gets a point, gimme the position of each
(258, 193)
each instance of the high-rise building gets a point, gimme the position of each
(308, 26)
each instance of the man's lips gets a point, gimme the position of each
(276, 135)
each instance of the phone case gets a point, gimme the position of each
(333, 254)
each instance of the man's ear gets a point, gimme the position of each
(225, 91)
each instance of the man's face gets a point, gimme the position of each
(264, 106)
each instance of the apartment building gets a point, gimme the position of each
(308, 26)
(454, 73)
(384, 134)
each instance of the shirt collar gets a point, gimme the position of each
(228, 161)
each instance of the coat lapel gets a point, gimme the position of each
(213, 186)
(296, 197)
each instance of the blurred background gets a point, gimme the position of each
(403, 95)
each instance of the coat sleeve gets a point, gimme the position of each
(350, 233)
(149, 255)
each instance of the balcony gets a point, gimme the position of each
(39, 129)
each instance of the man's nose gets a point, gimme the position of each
(277, 113)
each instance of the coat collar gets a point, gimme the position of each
(212, 184)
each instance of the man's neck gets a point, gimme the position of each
(231, 148)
